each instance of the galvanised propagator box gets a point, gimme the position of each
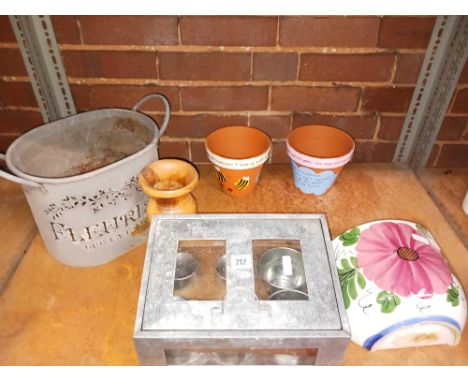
(242, 289)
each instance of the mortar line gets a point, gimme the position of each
(20, 108)
(222, 113)
(179, 93)
(179, 38)
(251, 66)
(9, 45)
(359, 105)
(209, 83)
(190, 149)
(270, 91)
(80, 32)
(377, 128)
(298, 67)
(274, 140)
(225, 113)
(10, 134)
(157, 66)
(228, 49)
(205, 83)
(396, 59)
(277, 31)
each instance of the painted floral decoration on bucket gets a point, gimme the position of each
(398, 289)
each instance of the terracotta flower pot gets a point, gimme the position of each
(318, 153)
(168, 183)
(238, 154)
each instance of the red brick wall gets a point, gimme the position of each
(275, 73)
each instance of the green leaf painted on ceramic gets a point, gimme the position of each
(388, 301)
(352, 288)
(346, 299)
(350, 237)
(453, 295)
(360, 280)
(345, 264)
(349, 275)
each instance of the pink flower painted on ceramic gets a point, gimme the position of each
(391, 257)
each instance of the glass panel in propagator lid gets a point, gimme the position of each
(239, 272)
(200, 272)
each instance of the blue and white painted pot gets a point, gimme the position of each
(318, 153)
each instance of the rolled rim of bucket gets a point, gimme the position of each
(12, 166)
(316, 161)
(240, 163)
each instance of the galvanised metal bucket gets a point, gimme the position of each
(79, 175)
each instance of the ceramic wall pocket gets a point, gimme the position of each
(398, 288)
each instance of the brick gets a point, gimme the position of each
(329, 31)
(228, 30)
(452, 128)
(405, 32)
(199, 152)
(453, 155)
(127, 96)
(374, 152)
(19, 122)
(168, 149)
(224, 98)
(107, 64)
(129, 30)
(200, 125)
(460, 105)
(359, 127)
(11, 63)
(296, 98)
(17, 94)
(276, 126)
(66, 29)
(275, 66)
(214, 66)
(432, 157)
(389, 99)
(81, 95)
(279, 154)
(346, 67)
(5, 141)
(6, 30)
(390, 127)
(408, 68)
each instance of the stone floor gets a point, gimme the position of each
(17, 229)
(448, 188)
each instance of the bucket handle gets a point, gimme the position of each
(167, 112)
(16, 179)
